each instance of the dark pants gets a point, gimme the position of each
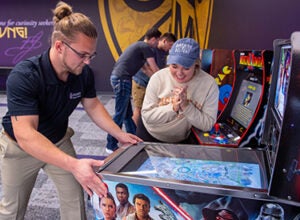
(123, 109)
(142, 133)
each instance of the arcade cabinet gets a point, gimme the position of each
(245, 106)
(219, 63)
(200, 182)
(282, 123)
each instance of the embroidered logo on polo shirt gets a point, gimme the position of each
(75, 95)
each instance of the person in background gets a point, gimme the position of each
(42, 92)
(142, 208)
(141, 78)
(125, 207)
(136, 56)
(179, 97)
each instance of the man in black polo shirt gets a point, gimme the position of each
(42, 92)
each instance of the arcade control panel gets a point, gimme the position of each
(220, 134)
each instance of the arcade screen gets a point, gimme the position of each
(201, 171)
(246, 102)
(284, 69)
(208, 166)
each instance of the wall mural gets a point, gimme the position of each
(21, 38)
(119, 22)
(125, 22)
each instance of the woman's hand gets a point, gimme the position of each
(180, 101)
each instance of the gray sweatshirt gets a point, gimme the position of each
(157, 112)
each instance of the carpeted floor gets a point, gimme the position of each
(89, 141)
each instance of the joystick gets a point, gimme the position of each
(217, 129)
(215, 132)
(217, 135)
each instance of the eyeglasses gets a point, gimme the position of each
(83, 56)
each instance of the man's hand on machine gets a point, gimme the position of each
(127, 138)
(91, 182)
